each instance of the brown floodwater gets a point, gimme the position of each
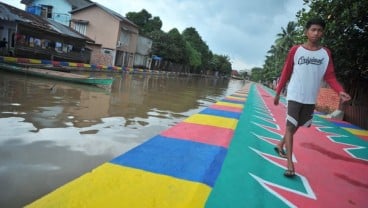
(52, 132)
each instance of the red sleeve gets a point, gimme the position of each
(330, 77)
(287, 70)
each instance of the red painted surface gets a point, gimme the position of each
(200, 133)
(336, 178)
(56, 63)
(23, 60)
(226, 108)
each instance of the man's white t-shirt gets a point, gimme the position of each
(306, 70)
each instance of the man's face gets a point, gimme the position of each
(314, 33)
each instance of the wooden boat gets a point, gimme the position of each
(237, 77)
(57, 75)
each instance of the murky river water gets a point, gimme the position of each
(52, 132)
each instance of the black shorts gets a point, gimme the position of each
(299, 114)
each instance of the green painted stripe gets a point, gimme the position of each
(238, 183)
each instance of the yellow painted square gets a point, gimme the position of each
(210, 120)
(234, 105)
(111, 185)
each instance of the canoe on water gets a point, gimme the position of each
(57, 75)
(237, 77)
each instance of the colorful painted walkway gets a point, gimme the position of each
(224, 157)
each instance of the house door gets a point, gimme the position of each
(11, 41)
(121, 59)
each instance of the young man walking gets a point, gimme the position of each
(305, 67)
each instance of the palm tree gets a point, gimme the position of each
(277, 53)
(287, 37)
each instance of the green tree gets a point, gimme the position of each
(277, 53)
(151, 27)
(244, 74)
(273, 64)
(144, 21)
(191, 35)
(346, 34)
(286, 39)
(256, 74)
(187, 49)
(221, 63)
(159, 42)
(176, 47)
(194, 57)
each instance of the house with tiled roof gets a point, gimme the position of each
(117, 35)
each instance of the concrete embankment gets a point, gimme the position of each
(73, 66)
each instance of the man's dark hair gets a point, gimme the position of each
(315, 21)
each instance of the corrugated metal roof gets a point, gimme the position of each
(9, 14)
(64, 29)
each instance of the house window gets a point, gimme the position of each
(80, 27)
(107, 51)
(124, 39)
(46, 11)
(58, 47)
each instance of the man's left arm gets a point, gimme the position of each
(330, 78)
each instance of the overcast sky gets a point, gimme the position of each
(244, 30)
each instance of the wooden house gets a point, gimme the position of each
(33, 36)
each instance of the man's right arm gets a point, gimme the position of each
(286, 73)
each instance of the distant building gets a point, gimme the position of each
(32, 36)
(54, 10)
(142, 57)
(119, 38)
(234, 72)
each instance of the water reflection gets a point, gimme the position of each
(52, 132)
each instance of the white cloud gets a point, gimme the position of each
(242, 30)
